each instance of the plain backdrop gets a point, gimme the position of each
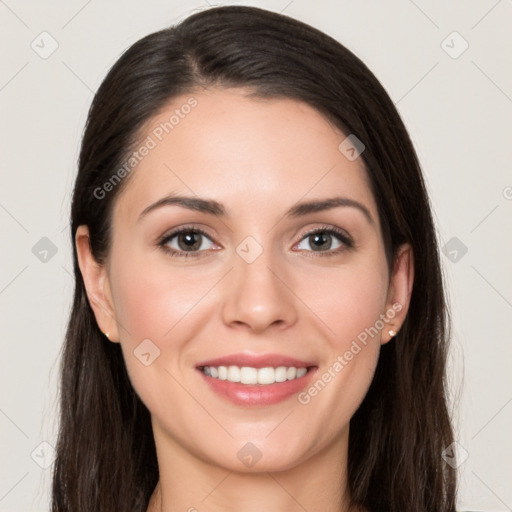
(446, 65)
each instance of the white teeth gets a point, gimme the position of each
(291, 373)
(281, 373)
(234, 374)
(301, 372)
(266, 376)
(223, 372)
(249, 375)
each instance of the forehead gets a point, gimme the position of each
(247, 153)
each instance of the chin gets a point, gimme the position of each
(259, 457)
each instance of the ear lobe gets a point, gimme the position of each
(96, 284)
(400, 290)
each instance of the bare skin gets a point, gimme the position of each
(258, 158)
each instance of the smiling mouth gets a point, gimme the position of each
(255, 376)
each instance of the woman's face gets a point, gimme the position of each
(261, 278)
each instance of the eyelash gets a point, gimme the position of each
(343, 237)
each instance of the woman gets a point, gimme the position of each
(259, 320)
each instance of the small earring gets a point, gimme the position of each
(107, 334)
(392, 333)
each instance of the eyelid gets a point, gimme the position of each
(343, 234)
(185, 228)
(163, 240)
(345, 239)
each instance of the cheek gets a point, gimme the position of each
(159, 310)
(152, 298)
(350, 305)
(348, 299)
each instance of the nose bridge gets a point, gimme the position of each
(256, 295)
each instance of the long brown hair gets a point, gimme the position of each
(106, 457)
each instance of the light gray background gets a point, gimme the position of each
(457, 110)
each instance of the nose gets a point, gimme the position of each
(257, 295)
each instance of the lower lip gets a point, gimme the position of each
(254, 395)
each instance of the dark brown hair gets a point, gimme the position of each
(106, 458)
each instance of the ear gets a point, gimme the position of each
(96, 284)
(399, 291)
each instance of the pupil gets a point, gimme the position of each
(320, 239)
(188, 241)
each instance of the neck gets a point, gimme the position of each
(188, 483)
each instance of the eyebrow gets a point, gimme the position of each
(212, 207)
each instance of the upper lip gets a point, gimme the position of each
(256, 361)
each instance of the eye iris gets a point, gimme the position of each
(320, 241)
(189, 241)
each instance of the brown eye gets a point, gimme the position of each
(320, 241)
(189, 241)
(186, 241)
(325, 240)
